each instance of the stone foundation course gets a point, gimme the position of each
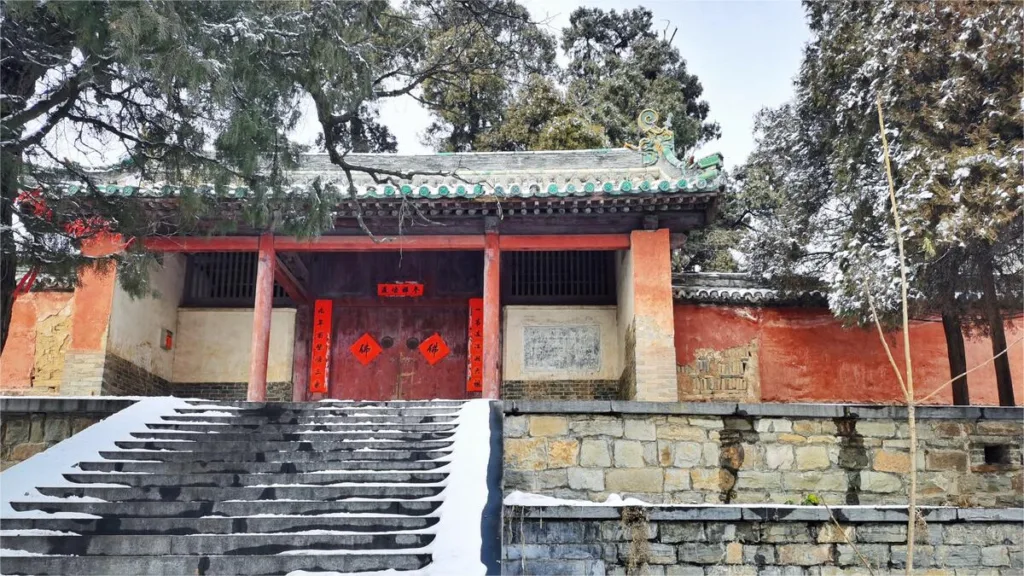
(30, 425)
(757, 541)
(756, 453)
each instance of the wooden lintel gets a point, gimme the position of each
(534, 243)
(284, 276)
(391, 243)
(522, 242)
(203, 244)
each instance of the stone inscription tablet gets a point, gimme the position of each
(562, 349)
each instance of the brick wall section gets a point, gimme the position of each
(845, 455)
(561, 390)
(122, 378)
(83, 373)
(735, 542)
(276, 391)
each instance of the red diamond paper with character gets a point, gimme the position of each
(366, 349)
(434, 349)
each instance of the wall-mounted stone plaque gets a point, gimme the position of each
(562, 349)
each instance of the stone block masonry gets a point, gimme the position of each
(756, 541)
(714, 453)
(31, 425)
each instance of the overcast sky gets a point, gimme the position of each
(745, 53)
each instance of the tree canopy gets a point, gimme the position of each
(206, 94)
(947, 75)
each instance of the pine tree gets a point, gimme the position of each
(204, 95)
(948, 77)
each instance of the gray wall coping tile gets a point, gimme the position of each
(59, 405)
(764, 410)
(773, 513)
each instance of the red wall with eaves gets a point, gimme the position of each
(806, 355)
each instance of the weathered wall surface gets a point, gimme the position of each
(561, 352)
(728, 453)
(644, 283)
(780, 354)
(40, 332)
(137, 325)
(757, 541)
(214, 345)
(31, 425)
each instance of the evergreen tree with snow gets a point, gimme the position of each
(948, 77)
(204, 95)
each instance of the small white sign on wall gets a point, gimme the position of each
(567, 348)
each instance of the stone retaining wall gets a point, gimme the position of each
(30, 425)
(757, 540)
(781, 453)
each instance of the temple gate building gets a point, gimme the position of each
(542, 275)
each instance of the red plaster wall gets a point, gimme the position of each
(19, 353)
(652, 275)
(94, 297)
(806, 355)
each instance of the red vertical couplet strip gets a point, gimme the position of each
(475, 342)
(319, 365)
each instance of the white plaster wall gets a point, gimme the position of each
(214, 345)
(136, 325)
(519, 317)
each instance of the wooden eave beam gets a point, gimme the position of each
(537, 243)
(516, 243)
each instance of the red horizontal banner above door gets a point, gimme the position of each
(400, 290)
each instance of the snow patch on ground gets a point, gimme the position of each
(47, 468)
(518, 498)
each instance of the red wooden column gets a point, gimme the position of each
(492, 316)
(300, 352)
(262, 311)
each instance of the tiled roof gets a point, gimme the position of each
(735, 288)
(487, 175)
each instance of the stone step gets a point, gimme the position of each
(222, 525)
(216, 494)
(306, 406)
(256, 565)
(276, 456)
(261, 436)
(236, 544)
(232, 446)
(189, 467)
(236, 480)
(316, 419)
(321, 412)
(238, 508)
(300, 428)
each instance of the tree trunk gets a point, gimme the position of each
(1004, 379)
(957, 357)
(9, 165)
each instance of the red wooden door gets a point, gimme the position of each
(399, 371)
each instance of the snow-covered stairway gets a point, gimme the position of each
(250, 488)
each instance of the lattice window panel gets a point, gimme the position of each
(224, 279)
(577, 277)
